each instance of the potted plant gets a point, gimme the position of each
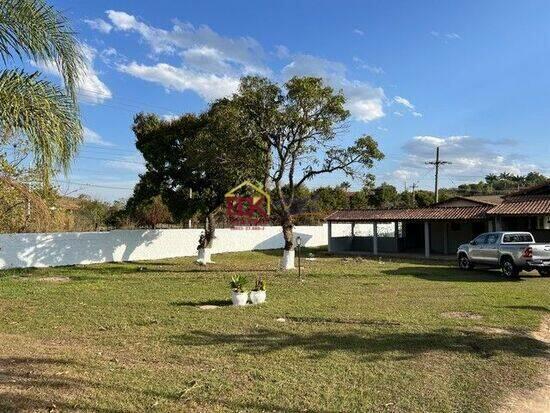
(238, 295)
(258, 294)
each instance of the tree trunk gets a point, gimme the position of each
(287, 262)
(205, 244)
(209, 229)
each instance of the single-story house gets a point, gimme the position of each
(442, 227)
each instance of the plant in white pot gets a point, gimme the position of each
(238, 295)
(258, 294)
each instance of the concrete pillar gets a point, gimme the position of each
(426, 239)
(375, 238)
(396, 235)
(445, 238)
(353, 229)
(329, 226)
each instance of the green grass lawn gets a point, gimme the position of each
(363, 335)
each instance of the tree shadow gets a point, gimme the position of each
(529, 307)
(318, 252)
(219, 303)
(398, 345)
(25, 380)
(433, 273)
(326, 320)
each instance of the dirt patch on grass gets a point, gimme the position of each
(462, 314)
(54, 279)
(538, 400)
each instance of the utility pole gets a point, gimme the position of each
(413, 194)
(437, 163)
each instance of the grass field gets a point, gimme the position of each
(363, 335)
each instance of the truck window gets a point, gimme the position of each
(492, 238)
(482, 239)
(517, 238)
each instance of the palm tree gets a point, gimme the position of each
(44, 114)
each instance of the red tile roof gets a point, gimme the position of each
(523, 205)
(411, 214)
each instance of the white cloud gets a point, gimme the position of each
(446, 36)
(91, 136)
(365, 102)
(90, 88)
(453, 36)
(243, 52)
(417, 114)
(381, 128)
(169, 117)
(361, 64)
(208, 86)
(359, 32)
(470, 157)
(282, 52)
(129, 163)
(404, 102)
(99, 25)
(397, 113)
(206, 59)
(404, 174)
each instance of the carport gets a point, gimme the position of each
(438, 229)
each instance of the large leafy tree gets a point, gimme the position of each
(194, 161)
(45, 114)
(297, 128)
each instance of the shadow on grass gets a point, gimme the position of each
(17, 373)
(399, 345)
(529, 307)
(206, 269)
(317, 252)
(219, 303)
(38, 384)
(433, 273)
(326, 320)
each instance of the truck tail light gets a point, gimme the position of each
(528, 253)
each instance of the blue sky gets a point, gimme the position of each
(470, 77)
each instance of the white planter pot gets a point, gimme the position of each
(287, 263)
(205, 256)
(257, 297)
(239, 298)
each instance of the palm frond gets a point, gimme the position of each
(36, 30)
(44, 113)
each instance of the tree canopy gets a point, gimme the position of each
(30, 106)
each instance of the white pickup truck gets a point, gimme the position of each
(513, 252)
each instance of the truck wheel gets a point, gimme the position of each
(508, 267)
(544, 272)
(464, 263)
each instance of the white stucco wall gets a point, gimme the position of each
(68, 248)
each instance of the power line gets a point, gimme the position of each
(92, 185)
(111, 159)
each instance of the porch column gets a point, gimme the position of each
(446, 238)
(426, 239)
(375, 238)
(329, 226)
(396, 235)
(353, 229)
